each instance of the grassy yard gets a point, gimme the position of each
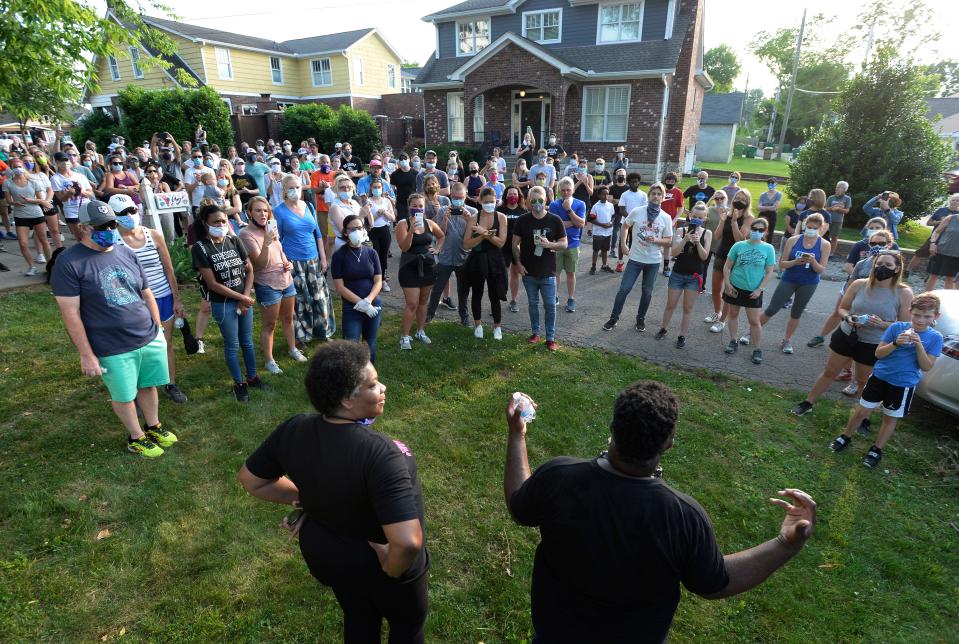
(912, 234)
(96, 544)
(771, 168)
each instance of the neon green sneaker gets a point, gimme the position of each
(144, 447)
(160, 436)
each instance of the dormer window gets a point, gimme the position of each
(620, 23)
(471, 36)
(545, 27)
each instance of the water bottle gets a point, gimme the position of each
(178, 322)
(524, 406)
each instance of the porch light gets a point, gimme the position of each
(522, 93)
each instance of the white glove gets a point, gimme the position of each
(362, 306)
(373, 311)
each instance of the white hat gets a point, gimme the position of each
(119, 203)
(338, 145)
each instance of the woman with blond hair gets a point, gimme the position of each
(342, 206)
(734, 224)
(816, 205)
(232, 205)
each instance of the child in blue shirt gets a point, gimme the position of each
(904, 352)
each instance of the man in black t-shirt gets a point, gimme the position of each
(352, 165)
(244, 183)
(555, 151)
(702, 191)
(404, 182)
(616, 541)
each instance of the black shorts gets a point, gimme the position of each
(895, 400)
(508, 255)
(30, 222)
(944, 265)
(409, 274)
(742, 299)
(601, 243)
(848, 345)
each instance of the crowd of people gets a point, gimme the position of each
(271, 226)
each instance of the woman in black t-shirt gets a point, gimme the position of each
(513, 206)
(226, 280)
(357, 494)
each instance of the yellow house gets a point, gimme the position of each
(355, 68)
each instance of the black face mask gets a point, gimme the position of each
(884, 272)
(739, 205)
(669, 186)
(621, 180)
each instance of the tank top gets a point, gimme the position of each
(420, 246)
(727, 238)
(800, 274)
(350, 208)
(379, 220)
(581, 194)
(276, 192)
(486, 245)
(949, 239)
(688, 261)
(880, 301)
(149, 260)
(128, 182)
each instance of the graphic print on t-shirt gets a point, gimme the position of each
(228, 265)
(752, 256)
(117, 287)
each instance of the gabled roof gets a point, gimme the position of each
(722, 109)
(474, 6)
(410, 72)
(945, 107)
(326, 43)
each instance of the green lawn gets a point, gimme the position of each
(771, 168)
(191, 557)
(912, 234)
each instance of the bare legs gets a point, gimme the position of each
(416, 302)
(127, 411)
(23, 240)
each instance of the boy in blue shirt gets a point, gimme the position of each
(904, 352)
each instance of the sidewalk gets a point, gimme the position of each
(11, 257)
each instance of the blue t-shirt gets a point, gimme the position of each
(258, 171)
(110, 287)
(900, 368)
(572, 232)
(356, 275)
(860, 251)
(298, 235)
(749, 264)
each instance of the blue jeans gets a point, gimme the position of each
(630, 275)
(237, 332)
(358, 325)
(547, 287)
(614, 241)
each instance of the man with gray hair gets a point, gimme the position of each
(838, 206)
(452, 257)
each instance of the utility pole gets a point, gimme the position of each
(792, 87)
(742, 113)
(772, 121)
(869, 40)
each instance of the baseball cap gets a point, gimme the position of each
(96, 213)
(61, 156)
(119, 203)
(376, 163)
(433, 152)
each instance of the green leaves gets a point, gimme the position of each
(301, 122)
(176, 111)
(723, 67)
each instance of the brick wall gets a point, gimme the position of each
(434, 106)
(372, 105)
(686, 95)
(397, 105)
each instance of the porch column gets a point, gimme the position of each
(468, 99)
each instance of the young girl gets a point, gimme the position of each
(746, 272)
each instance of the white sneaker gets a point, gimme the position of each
(422, 337)
(297, 355)
(40, 259)
(201, 347)
(745, 339)
(31, 271)
(386, 287)
(497, 333)
(718, 327)
(478, 332)
(712, 317)
(273, 368)
(405, 343)
(851, 389)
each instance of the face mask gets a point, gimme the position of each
(696, 223)
(652, 208)
(222, 183)
(104, 238)
(573, 164)
(811, 232)
(702, 183)
(541, 182)
(88, 164)
(494, 178)
(600, 168)
(275, 167)
(377, 192)
(416, 211)
(739, 205)
(771, 186)
(669, 186)
(620, 179)
(30, 165)
(128, 221)
(19, 172)
(489, 207)
(259, 148)
(457, 203)
(552, 140)
(620, 155)
(542, 160)
(356, 237)
(430, 165)
(451, 170)
(512, 200)
(733, 181)
(755, 235)
(347, 152)
(800, 206)
(537, 205)
(218, 231)
(197, 163)
(208, 163)
(325, 168)
(286, 147)
(292, 194)
(474, 171)
(404, 164)
(884, 272)
(417, 165)
(116, 167)
(345, 195)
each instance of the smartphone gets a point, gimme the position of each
(419, 219)
(294, 517)
(885, 196)
(271, 225)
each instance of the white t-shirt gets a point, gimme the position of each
(604, 215)
(194, 175)
(630, 200)
(644, 251)
(71, 207)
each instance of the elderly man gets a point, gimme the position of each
(113, 321)
(572, 212)
(838, 206)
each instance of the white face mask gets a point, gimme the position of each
(357, 237)
(292, 193)
(489, 207)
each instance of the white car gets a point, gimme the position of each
(940, 385)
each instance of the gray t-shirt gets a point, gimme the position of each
(837, 217)
(765, 199)
(440, 176)
(28, 190)
(453, 253)
(110, 287)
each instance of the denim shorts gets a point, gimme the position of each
(680, 282)
(268, 296)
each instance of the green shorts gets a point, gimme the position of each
(125, 373)
(567, 259)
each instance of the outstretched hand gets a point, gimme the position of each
(800, 520)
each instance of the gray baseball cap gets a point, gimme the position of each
(97, 213)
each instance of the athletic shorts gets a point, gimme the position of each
(944, 265)
(567, 259)
(267, 296)
(743, 300)
(895, 400)
(20, 222)
(165, 304)
(601, 242)
(125, 373)
(849, 346)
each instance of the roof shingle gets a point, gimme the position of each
(722, 109)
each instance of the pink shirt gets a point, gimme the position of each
(273, 274)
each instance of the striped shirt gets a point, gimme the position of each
(149, 259)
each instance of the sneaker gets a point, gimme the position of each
(513, 306)
(173, 393)
(11, 235)
(681, 342)
(31, 271)
(557, 301)
(273, 368)
(405, 343)
(873, 456)
(844, 375)
(802, 408)
(40, 259)
(297, 355)
(610, 324)
(661, 334)
(732, 347)
(478, 332)
(162, 437)
(620, 266)
(497, 333)
(241, 392)
(144, 447)
(551, 345)
(612, 254)
(841, 443)
(787, 347)
(533, 339)
(667, 272)
(257, 383)
(850, 389)
(745, 339)
(465, 321)
(817, 341)
(386, 287)
(712, 317)
(592, 270)
(718, 327)
(422, 337)
(448, 303)
(640, 324)
(200, 346)
(788, 303)
(571, 305)
(757, 356)
(865, 428)
(606, 269)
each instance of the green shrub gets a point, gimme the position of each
(97, 126)
(182, 262)
(175, 111)
(329, 127)
(467, 154)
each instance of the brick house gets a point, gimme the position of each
(597, 74)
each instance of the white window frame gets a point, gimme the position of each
(313, 72)
(599, 22)
(605, 138)
(246, 109)
(670, 19)
(473, 21)
(114, 67)
(278, 68)
(391, 76)
(541, 13)
(449, 118)
(359, 78)
(135, 62)
(479, 110)
(229, 103)
(282, 105)
(228, 62)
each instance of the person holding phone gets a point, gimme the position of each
(886, 205)
(420, 239)
(746, 272)
(691, 245)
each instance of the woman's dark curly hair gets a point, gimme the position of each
(200, 229)
(644, 418)
(335, 372)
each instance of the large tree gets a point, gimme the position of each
(880, 140)
(943, 78)
(723, 67)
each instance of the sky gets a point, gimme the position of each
(733, 22)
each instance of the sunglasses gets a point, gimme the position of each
(877, 244)
(759, 229)
(110, 225)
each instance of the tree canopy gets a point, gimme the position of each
(723, 67)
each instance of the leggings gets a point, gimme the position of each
(478, 273)
(785, 290)
(381, 244)
(404, 606)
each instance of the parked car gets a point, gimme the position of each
(940, 385)
(952, 180)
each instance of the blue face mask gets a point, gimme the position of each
(652, 209)
(208, 163)
(325, 168)
(457, 203)
(345, 195)
(755, 235)
(104, 238)
(771, 186)
(126, 221)
(696, 222)
(733, 180)
(376, 192)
